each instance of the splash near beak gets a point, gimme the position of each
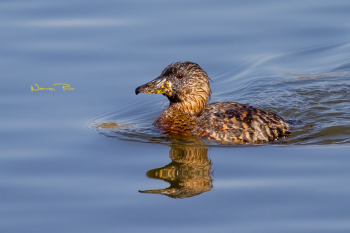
(156, 86)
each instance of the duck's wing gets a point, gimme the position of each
(234, 122)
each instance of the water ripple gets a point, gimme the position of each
(317, 102)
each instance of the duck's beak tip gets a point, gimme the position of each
(153, 87)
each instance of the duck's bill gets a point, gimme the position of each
(155, 86)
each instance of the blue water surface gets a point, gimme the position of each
(59, 173)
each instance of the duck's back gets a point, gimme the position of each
(233, 122)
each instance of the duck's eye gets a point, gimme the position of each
(180, 76)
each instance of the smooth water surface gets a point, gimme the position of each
(60, 173)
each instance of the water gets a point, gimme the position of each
(318, 102)
(59, 173)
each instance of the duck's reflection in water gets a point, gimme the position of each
(188, 173)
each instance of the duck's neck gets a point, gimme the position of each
(192, 106)
(183, 112)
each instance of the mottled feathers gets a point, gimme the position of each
(186, 85)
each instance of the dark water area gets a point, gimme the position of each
(60, 173)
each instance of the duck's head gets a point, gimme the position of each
(185, 84)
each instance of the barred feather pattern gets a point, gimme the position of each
(189, 113)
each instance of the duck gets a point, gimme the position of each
(187, 87)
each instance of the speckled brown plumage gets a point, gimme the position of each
(187, 87)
